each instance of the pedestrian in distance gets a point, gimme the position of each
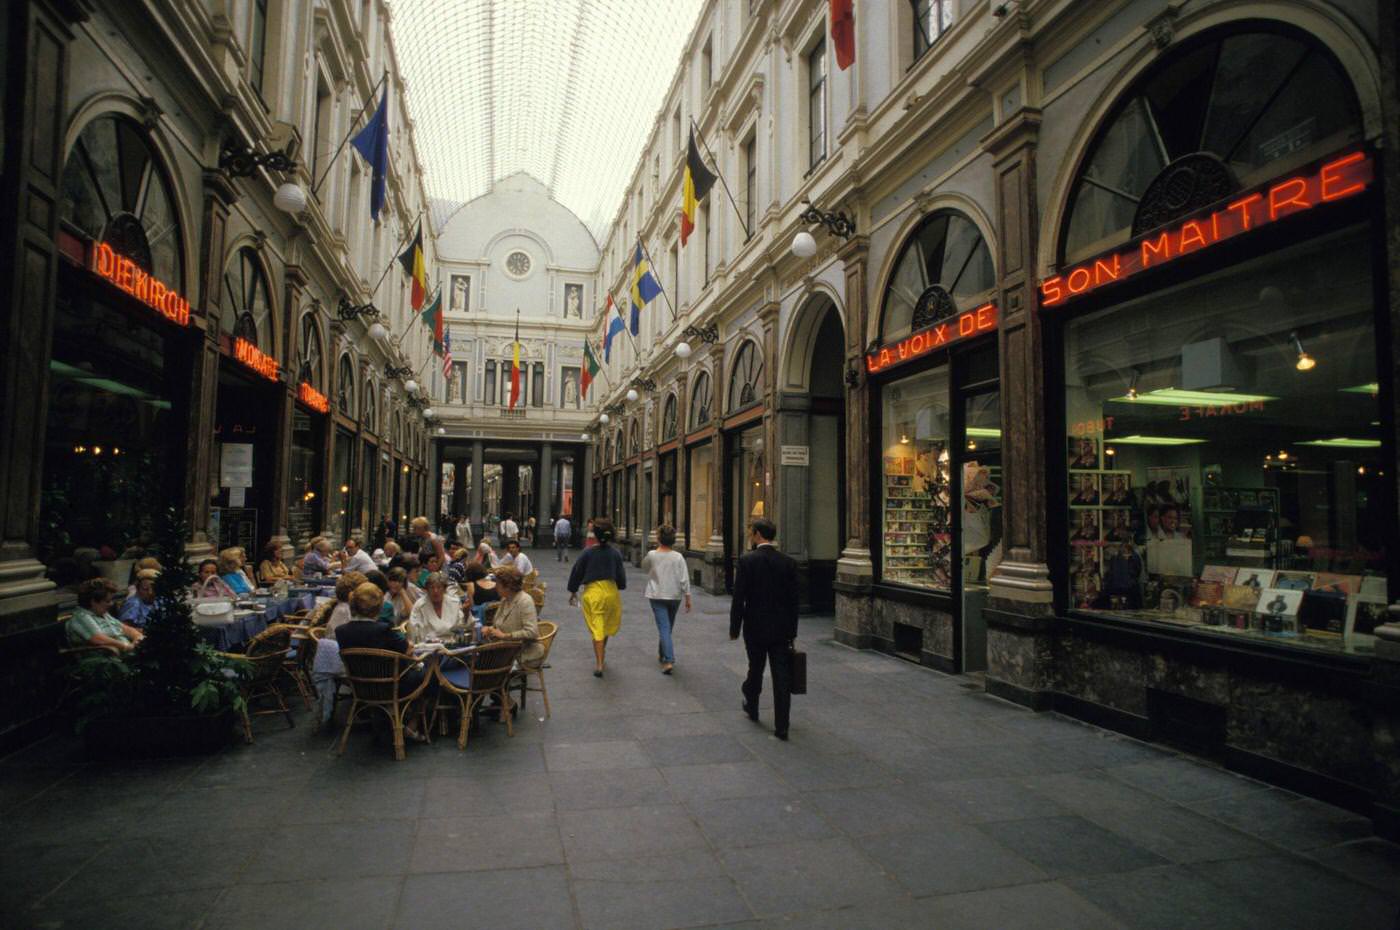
(668, 583)
(602, 575)
(563, 534)
(764, 610)
(509, 530)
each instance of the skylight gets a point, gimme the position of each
(565, 90)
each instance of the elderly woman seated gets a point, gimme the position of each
(93, 625)
(385, 557)
(435, 615)
(231, 571)
(272, 569)
(515, 618)
(146, 564)
(209, 584)
(335, 612)
(136, 609)
(366, 631)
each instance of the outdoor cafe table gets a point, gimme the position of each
(234, 636)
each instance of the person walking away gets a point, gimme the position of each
(464, 533)
(601, 573)
(509, 530)
(530, 529)
(563, 534)
(667, 583)
(764, 609)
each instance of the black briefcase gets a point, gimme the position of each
(799, 671)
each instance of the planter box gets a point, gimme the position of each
(157, 737)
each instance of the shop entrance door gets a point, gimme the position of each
(744, 494)
(978, 479)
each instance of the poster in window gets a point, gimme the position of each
(1083, 453)
(568, 388)
(1084, 489)
(460, 302)
(1084, 528)
(1365, 612)
(1116, 488)
(573, 301)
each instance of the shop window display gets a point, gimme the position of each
(1224, 462)
(699, 471)
(915, 471)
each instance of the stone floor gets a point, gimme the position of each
(905, 799)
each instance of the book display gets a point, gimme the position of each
(1241, 524)
(918, 534)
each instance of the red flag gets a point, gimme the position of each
(515, 366)
(843, 32)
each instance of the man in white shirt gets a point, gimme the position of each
(509, 530)
(357, 559)
(515, 557)
(563, 533)
(464, 533)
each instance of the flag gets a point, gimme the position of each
(515, 365)
(432, 318)
(372, 143)
(447, 357)
(843, 32)
(696, 184)
(644, 287)
(590, 368)
(614, 326)
(412, 262)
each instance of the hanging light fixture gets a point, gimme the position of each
(603, 418)
(411, 386)
(632, 394)
(803, 245)
(1305, 361)
(683, 349)
(1132, 385)
(377, 332)
(290, 198)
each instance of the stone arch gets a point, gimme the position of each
(800, 340)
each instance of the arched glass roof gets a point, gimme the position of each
(565, 90)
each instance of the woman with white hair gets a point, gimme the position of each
(435, 614)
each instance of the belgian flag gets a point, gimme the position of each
(413, 266)
(697, 183)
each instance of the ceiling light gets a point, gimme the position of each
(904, 438)
(1373, 389)
(1305, 361)
(1132, 385)
(1136, 440)
(1171, 397)
(983, 432)
(1341, 442)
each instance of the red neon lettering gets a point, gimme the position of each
(986, 317)
(885, 357)
(1162, 248)
(940, 334)
(157, 296)
(1243, 205)
(124, 267)
(967, 324)
(1192, 237)
(1215, 227)
(1083, 283)
(1334, 173)
(1297, 197)
(1051, 292)
(104, 260)
(1103, 271)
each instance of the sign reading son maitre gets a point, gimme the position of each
(1334, 179)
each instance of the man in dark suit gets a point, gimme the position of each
(764, 609)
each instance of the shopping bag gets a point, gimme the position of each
(798, 671)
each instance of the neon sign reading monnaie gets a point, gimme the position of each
(1339, 178)
(963, 326)
(255, 358)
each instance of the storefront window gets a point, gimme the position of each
(700, 401)
(247, 310)
(345, 387)
(916, 465)
(746, 380)
(668, 488)
(747, 480)
(1225, 463)
(303, 499)
(699, 469)
(340, 492)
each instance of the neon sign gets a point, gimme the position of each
(255, 358)
(313, 398)
(136, 281)
(964, 326)
(1337, 179)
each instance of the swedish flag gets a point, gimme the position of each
(644, 287)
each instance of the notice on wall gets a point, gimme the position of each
(795, 455)
(237, 496)
(236, 465)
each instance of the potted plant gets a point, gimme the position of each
(174, 694)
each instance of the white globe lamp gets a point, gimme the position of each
(428, 413)
(583, 436)
(803, 245)
(442, 431)
(290, 198)
(632, 394)
(377, 332)
(603, 418)
(411, 386)
(683, 349)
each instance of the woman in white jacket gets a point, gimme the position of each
(668, 583)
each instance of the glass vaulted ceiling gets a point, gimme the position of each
(564, 90)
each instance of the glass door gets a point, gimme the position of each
(979, 479)
(746, 493)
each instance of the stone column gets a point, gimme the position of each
(294, 286)
(682, 466)
(854, 570)
(772, 491)
(460, 503)
(544, 504)
(580, 518)
(714, 546)
(1020, 609)
(478, 485)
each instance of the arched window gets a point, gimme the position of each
(746, 379)
(943, 268)
(370, 418)
(1225, 111)
(635, 445)
(116, 191)
(618, 453)
(247, 310)
(700, 401)
(345, 386)
(309, 364)
(668, 419)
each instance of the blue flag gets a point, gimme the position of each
(615, 326)
(372, 143)
(644, 288)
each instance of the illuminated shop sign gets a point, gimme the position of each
(964, 326)
(255, 358)
(313, 398)
(136, 281)
(1337, 179)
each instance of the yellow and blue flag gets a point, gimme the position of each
(644, 287)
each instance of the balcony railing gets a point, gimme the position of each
(516, 414)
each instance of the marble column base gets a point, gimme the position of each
(27, 597)
(1020, 634)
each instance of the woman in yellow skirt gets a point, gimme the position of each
(601, 572)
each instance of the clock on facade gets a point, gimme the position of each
(518, 264)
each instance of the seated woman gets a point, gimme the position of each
(485, 555)
(142, 565)
(231, 571)
(478, 589)
(136, 609)
(386, 607)
(273, 569)
(402, 595)
(209, 584)
(433, 566)
(435, 615)
(93, 625)
(515, 618)
(335, 612)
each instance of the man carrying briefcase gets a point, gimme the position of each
(764, 609)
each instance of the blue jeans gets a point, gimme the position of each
(665, 613)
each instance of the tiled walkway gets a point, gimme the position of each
(904, 799)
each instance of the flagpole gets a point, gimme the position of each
(353, 121)
(403, 242)
(720, 174)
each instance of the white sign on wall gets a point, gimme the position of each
(236, 465)
(795, 455)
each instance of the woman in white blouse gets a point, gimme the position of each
(667, 584)
(434, 615)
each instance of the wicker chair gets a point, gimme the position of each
(265, 655)
(376, 678)
(520, 678)
(470, 675)
(298, 666)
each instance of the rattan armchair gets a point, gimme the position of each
(469, 676)
(265, 656)
(520, 678)
(376, 678)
